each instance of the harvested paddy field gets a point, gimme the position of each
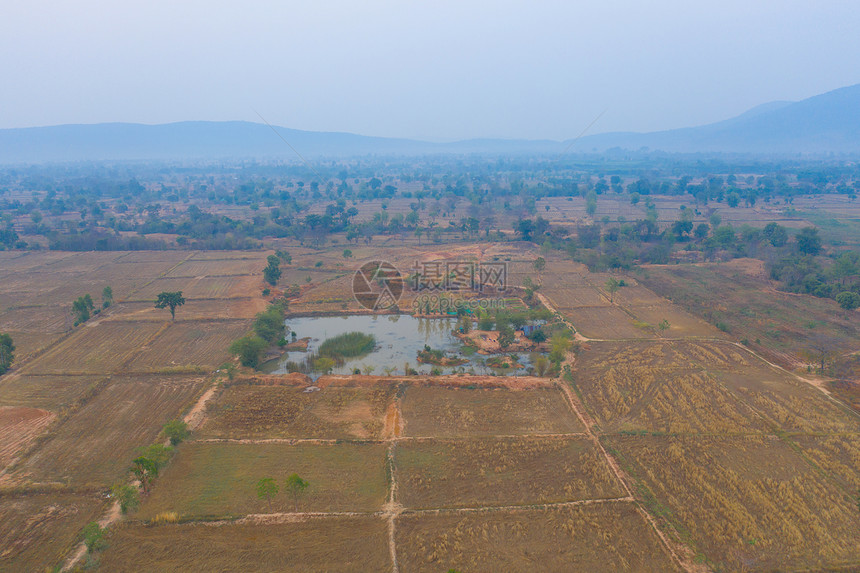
(606, 323)
(219, 267)
(95, 444)
(782, 326)
(350, 544)
(38, 530)
(262, 411)
(744, 502)
(18, 427)
(598, 537)
(97, 347)
(501, 471)
(217, 479)
(51, 392)
(186, 344)
(687, 387)
(462, 412)
(193, 309)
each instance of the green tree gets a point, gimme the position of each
(733, 199)
(127, 496)
(83, 306)
(663, 326)
(612, 286)
(159, 453)
(145, 470)
(267, 488)
(176, 431)
(7, 353)
(272, 272)
(541, 365)
(775, 234)
(847, 265)
(539, 266)
(249, 348)
(93, 536)
(591, 203)
(559, 345)
(848, 300)
(347, 253)
(507, 336)
(107, 297)
(808, 241)
(269, 325)
(296, 487)
(170, 300)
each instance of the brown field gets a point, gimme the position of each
(600, 537)
(255, 411)
(497, 472)
(193, 309)
(349, 544)
(686, 387)
(605, 323)
(837, 455)
(744, 502)
(224, 287)
(165, 257)
(150, 291)
(24, 260)
(37, 530)
(228, 256)
(30, 343)
(681, 324)
(51, 392)
(96, 444)
(461, 412)
(207, 479)
(186, 343)
(216, 268)
(779, 325)
(49, 319)
(96, 347)
(84, 262)
(18, 426)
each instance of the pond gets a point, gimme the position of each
(399, 338)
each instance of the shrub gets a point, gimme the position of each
(165, 517)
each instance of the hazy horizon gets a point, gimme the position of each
(450, 71)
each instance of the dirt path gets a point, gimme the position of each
(193, 418)
(197, 414)
(112, 515)
(394, 425)
(552, 308)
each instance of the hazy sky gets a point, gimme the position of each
(437, 70)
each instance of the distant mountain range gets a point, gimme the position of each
(827, 123)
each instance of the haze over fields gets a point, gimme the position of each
(828, 123)
(441, 71)
(421, 287)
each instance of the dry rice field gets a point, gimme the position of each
(349, 544)
(657, 450)
(37, 530)
(94, 446)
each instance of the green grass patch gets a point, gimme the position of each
(219, 479)
(347, 345)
